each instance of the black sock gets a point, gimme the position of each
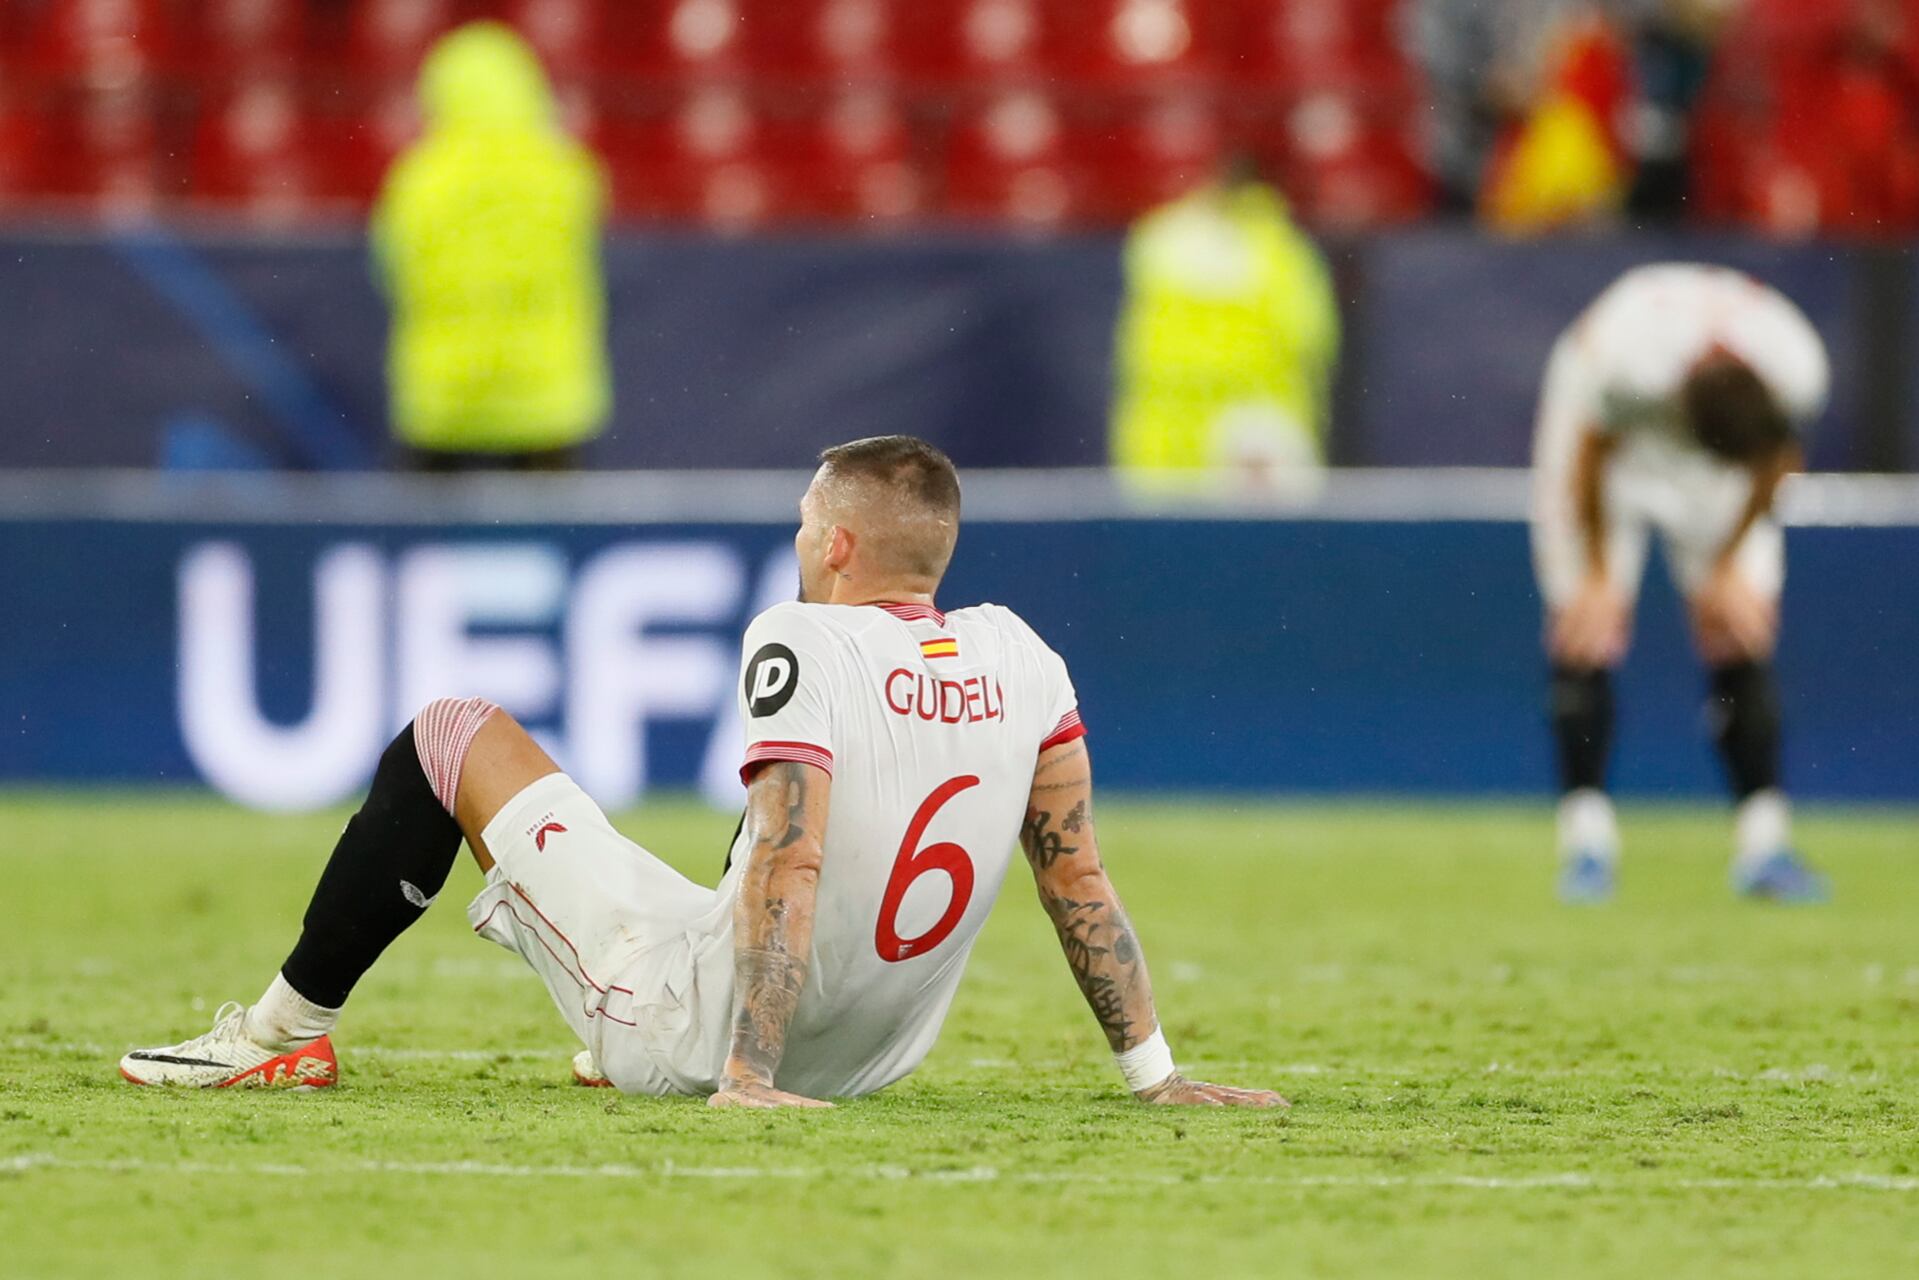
(1582, 716)
(391, 860)
(1744, 716)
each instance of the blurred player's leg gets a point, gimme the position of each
(386, 869)
(1580, 704)
(1743, 708)
(1580, 696)
(1582, 716)
(1744, 713)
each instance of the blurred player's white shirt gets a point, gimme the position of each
(1620, 369)
(930, 725)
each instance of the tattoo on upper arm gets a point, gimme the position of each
(796, 786)
(781, 784)
(1044, 846)
(1057, 775)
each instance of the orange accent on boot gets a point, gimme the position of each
(312, 1066)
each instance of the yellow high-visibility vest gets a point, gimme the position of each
(1229, 310)
(487, 236)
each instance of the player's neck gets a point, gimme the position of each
(891, 593)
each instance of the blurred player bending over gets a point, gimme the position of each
(1672, 404)
(894, 755)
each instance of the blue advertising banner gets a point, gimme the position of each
(273, 660)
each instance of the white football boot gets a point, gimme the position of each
(587, 1072)
(224, 1058)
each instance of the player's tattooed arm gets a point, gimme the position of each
(1101, 948)
(1100, 945)
(773, 928)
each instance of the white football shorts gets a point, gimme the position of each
(613, 932)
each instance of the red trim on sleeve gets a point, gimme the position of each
(1068, 728)
(793, 752)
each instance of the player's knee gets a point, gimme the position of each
(443, 732)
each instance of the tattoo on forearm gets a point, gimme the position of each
(769, 981)
(1103, 953)
(773, 928)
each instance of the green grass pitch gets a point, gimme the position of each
(1485, 1083)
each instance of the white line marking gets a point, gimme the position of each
(667, 1170)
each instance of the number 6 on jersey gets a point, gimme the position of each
(913, 863)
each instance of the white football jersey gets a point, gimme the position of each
(930, 725)
(1636, 344)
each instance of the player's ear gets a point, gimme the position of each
(839, 548)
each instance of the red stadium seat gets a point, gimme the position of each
(856, 162)
(103, 40)
(569, 35)
(256, 149)
(1346, 160)
(99, 147)
(1143, 153)
(677, 39)
(246, 35)
(19, 147)
(701, 159)
(377, 125)
(865, 40)
(390, 37)
(959, 42)
(1007, 160)
(1280, 45)
(1132, 42)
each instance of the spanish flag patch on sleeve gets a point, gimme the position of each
(944, 647)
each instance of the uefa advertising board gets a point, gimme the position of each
(269, 650)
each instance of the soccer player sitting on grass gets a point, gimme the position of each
(1672, 404)
(894, 756)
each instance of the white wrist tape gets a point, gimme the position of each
(1147, 1063)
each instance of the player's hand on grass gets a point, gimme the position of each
(754, 1096)
(1592, 629)
(1177, 1091)
(1732, 621)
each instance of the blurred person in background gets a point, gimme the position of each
(1480, 59)
(1227, 342)
(1674, 51)
(1673, 404)
(487, 238)
(1531, 106)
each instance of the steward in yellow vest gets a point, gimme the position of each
(1226, 342)
(487, 238)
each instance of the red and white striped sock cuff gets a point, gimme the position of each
(442, 732)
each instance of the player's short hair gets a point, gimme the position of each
(916, 470)
(1732, 411)
(922, 483)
